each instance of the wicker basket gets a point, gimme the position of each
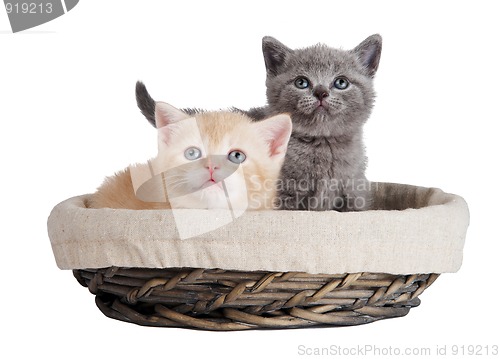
(145, 276)
(233, 300)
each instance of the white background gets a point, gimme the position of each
(69, 118)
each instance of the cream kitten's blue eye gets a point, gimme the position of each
(192, 153)
(302, 83)
(341, 83)
(236, 157)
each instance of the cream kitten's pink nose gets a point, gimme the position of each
(212, 164)
(211, 168)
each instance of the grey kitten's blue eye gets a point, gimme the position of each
(302, 83)
(192, 153)
(341, 83)
(236, 157)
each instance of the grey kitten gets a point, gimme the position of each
(329, 94)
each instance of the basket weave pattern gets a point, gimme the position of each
(213, 299)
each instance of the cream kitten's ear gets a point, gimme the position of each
(276, 132)
(166, 114)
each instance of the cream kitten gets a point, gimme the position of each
(206, 160)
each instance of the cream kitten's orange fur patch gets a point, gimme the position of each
(209, 160)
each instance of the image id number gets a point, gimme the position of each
(29, 8)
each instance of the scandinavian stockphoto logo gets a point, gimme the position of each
(25, 14)
(203, 181)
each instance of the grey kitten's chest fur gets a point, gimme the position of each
(323, 173)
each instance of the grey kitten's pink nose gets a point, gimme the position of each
(321, 92)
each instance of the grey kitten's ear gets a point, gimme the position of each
(369, 52)
(275, 54)
(166, 114)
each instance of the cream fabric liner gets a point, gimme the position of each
(425, 240)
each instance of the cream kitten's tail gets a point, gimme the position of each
(145, 102)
